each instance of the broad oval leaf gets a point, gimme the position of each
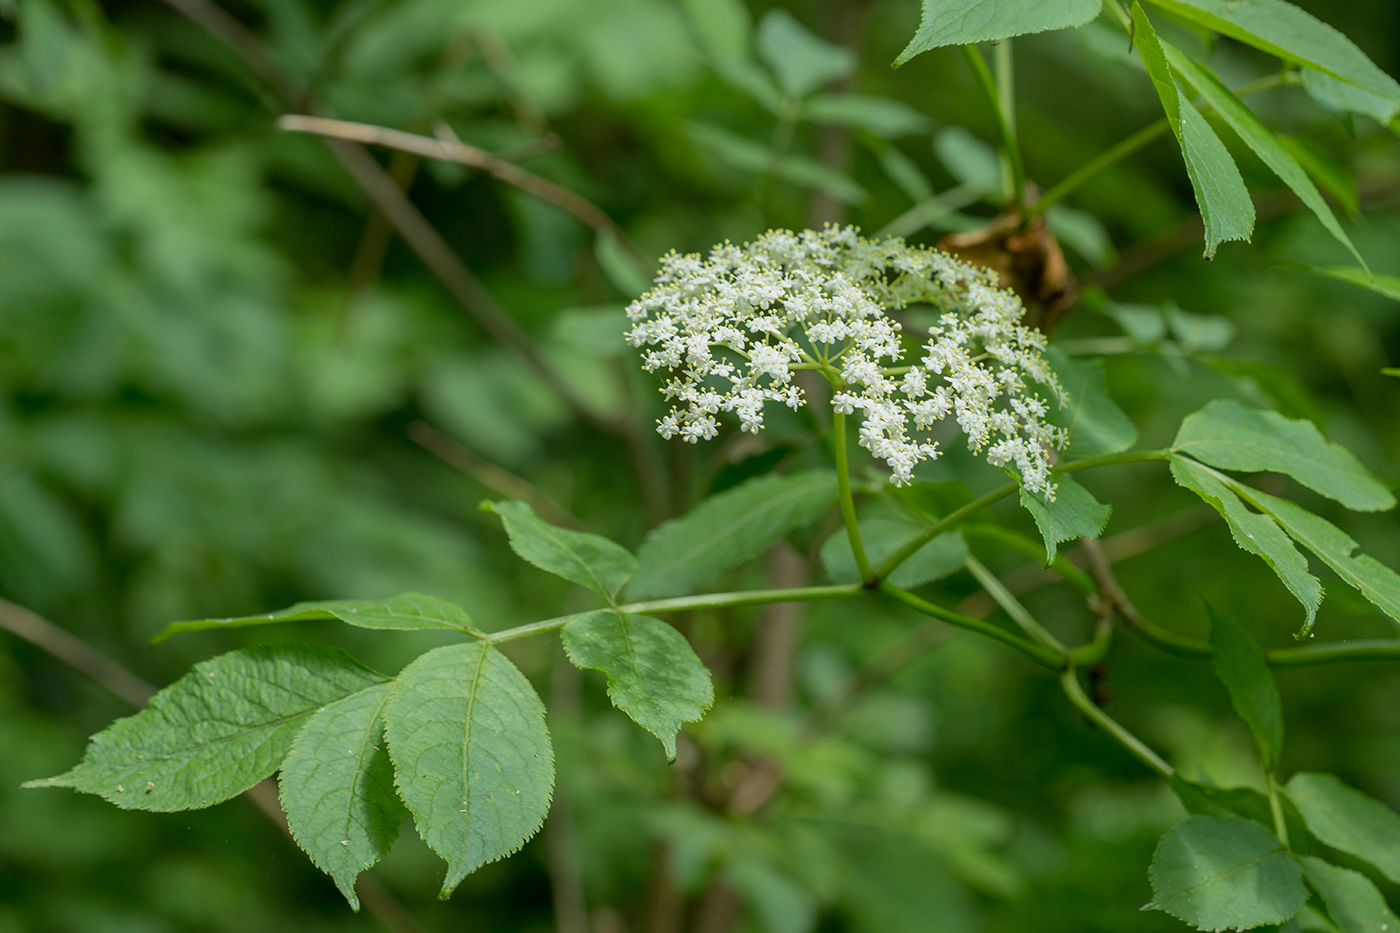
(337, 786)
(217, 731)
(589, 560)
(963, 22)
(883, 537)
(1241, 667)
(727, 529)
(407, 612)
(1352, 900)
(653, 673)
(1096, 425)
(472, 757)
(1075, 513)
(1223, 873)
(1346, 819)
(1227, 435)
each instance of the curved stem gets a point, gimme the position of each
(1069, 680)
(1276, 808)
(848, 506)
(1012, 606)
(1005, 131)
(1037, 653)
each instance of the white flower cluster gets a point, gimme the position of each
(731, 330)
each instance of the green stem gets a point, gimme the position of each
(1037, 653)
(1069, 680)
(848, 506)
(1005, 131)
(1034, 550)
(1360, 649)
(1276, 808)
(1006, 102)
(1012, 606)
(1094, 651)
(926, 212)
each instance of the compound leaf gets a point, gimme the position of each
(217, 731)
(1346, 819)
(406, 612)
(1096, 425)
(883, 537)
(589, 560)
(963, 22)
(1223, 873)
(1353, 902)
(1075, 513)
(653, 673)
(472, 757)
(1227, 435)
(337, 786)
(1241, 667)
(727, 529)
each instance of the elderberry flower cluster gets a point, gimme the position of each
(732, 329)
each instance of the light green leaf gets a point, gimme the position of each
(1227, 435)
(1222, 873)
(1261, 140)
(727, 529)
(1346, 819)
(1075, 513)
(1253, 532)
(653, 673)
(405, 613)
(337, 786)
(1240, 664)
(1095, 424)
(586, 559)
(1284, 30)
(751, 157)
(1224, 201)
(972, 162)
(1208, 800)
(1341, 97)
(1387, 285)
(217, 731)
(1353, 902)
(724, 27)
(1199, 331)
(1081, 231)
(1390, 372)
(882, 116)
(472, 756)
(801, 61)
(963, 22)
(882, 538)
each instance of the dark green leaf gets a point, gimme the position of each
(653, 673)
(586, 559)
(217, 731)
(1346, 819)
(801, 61)
(727, 529)
(1207, 800)
(1241, 666)
(1222, 873)
(337, 786)
(472, 756)
(972, 162)
(620, 267)
(963, 22)
(407, 612)
(882, 538)
(1095, 424)
(1227, 435)
(1353, 902)
(1075, 513)
(1387, 285)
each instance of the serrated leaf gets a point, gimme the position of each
(801, 61)
(728, 529)
(405, 613)
(1222, 873)
(1075, 513)
(653, 673)
(1261, 140)
(1353, 902)
(216, 731)
(1258, 534)
(1096, 425)
(1240, 664)
(1288, 32)
(883, 537)
(882, 116)
(1346, 819)
(1207, 800)
(337, 787)
(589, 560)
(1387, 285)
(1228, 435)
(1342, 97)
(472, 757)
(964, 22)
(1224, 201)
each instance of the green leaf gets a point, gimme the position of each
(724, 27)
(882, 538)
(1390, 372)
(1227, 435)
(972, 162)
(801, 61)
(1224, 201)
(1208, 800)
(1261, 140)
(407, 612)
(963, 22)
(337, 786)
(1346, 819)
(653, 673)
(1353, 902)
(727, 529)
(1075, 513)
(1341, 97)
(1222, 873)
(1096, 425)
(1253, 532)
(1240, 664)
(217, 731)
(1387, 285)
(1330, 174)
(882, 116)
(589, 560)
(751, 157)
(619, 266)
(472, 756)
(1288, 32)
